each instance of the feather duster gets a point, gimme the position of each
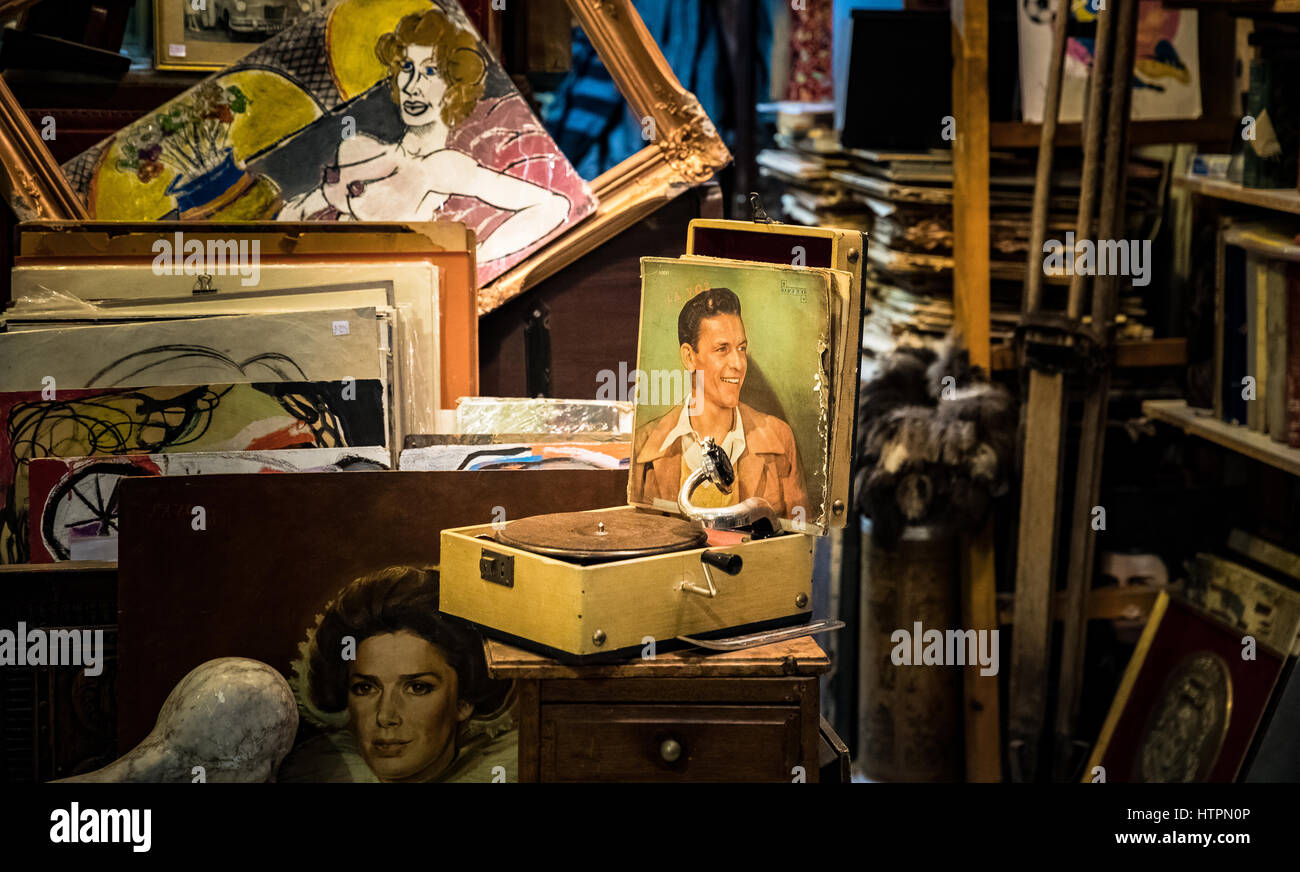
(936, 442)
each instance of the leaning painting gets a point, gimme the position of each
(389, 689)
(371, 110)
(733, 352)
(1166, 69)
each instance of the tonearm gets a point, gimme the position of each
(754, 515)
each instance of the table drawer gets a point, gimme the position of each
(669, 743)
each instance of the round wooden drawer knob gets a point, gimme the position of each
(670, 750)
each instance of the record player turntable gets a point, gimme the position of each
(718, 555)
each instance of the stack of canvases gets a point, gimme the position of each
(311, 354)
(120, 364)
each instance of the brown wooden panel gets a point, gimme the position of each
(594, 306)
(528, 715)
(625, 743)
(754, 691)
(794, 657)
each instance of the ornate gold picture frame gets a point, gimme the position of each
(683, 150)
(30, 179)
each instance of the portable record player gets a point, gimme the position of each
(716, 557)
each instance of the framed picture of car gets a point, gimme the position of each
(212, 34)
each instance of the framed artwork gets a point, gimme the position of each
(1166, 67)
(214, 416)
(685, 151)
(371, 110)
(134, 292)
(30, 181)
(734, 352)
(211, 34)
(1189, 703)
(445, 247)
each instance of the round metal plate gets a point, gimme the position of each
(1188, 722)
(595, 537)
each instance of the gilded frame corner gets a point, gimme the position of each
(30, 180)
(685, 149)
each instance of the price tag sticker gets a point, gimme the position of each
(176, 49)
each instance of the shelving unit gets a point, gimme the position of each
(1104, 604)
(1151, 352)
(1275, 199)
(1020, 134)
(1202, 423)
(972, 275)
(1239, 7)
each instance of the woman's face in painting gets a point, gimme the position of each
(404, 706)
(421, 85)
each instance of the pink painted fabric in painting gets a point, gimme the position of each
(507, 128)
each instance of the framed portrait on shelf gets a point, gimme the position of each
(212, 34)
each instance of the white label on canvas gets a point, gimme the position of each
(176, 49)
(341, 328)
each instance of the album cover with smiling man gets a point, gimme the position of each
(733, 352)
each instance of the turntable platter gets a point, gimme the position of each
(598, 537)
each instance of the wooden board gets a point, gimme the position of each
(1276, 199)
(971, 281)
(1256, 446)
(795, 657)
(1035, 565)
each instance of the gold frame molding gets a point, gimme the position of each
(686, 150)
(32, 183)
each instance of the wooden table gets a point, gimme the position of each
(749, 715)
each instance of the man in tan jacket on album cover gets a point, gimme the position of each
(761, 447)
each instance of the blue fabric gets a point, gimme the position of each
(592, 123)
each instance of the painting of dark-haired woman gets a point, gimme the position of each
(389, 689)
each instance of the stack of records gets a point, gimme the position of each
(797, 173)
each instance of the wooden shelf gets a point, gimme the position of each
(1263, 240)
(1104, 604)
(1234, 437)
(1276, 199)
(1021, 134)
(1151, 352)
(61, 566)
(1239, 7)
